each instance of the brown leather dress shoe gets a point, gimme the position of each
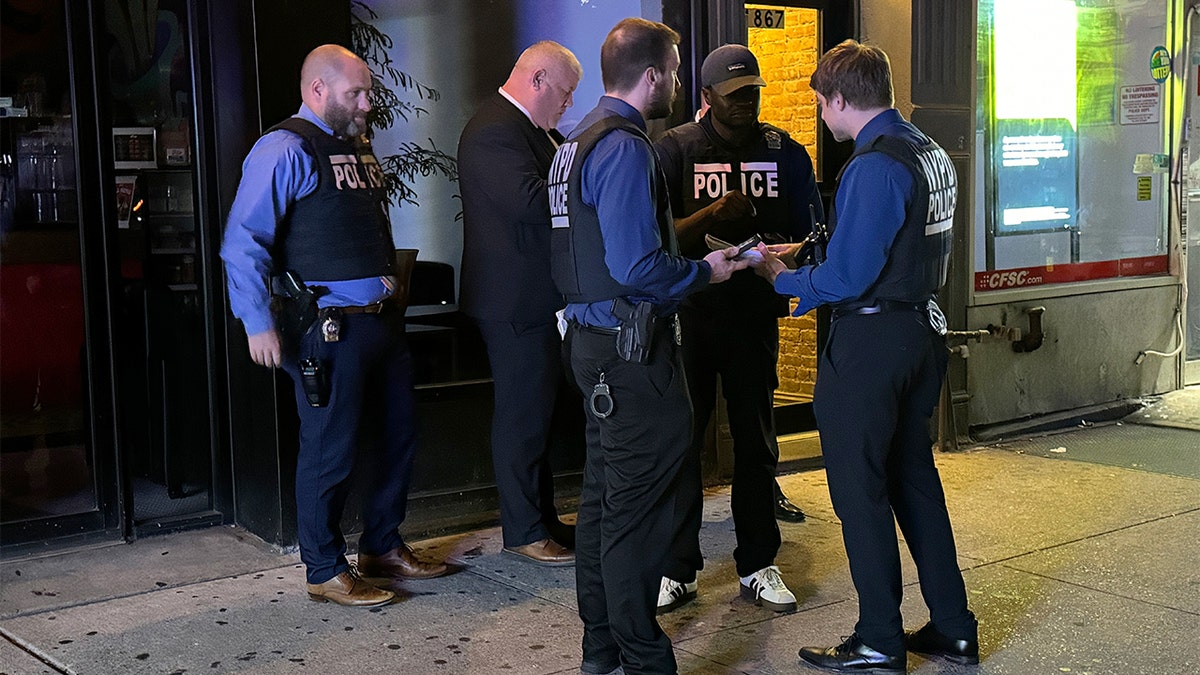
(350, 590)
(399, 563)
(546, 552)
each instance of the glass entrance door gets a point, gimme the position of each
(99, 304)
(50, 475)
(163, 375)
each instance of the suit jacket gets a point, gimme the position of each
(503, 160)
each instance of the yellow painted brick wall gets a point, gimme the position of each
(787, 58)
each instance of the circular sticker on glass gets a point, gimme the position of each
(1160, 64)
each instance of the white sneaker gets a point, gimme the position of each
(673, 594)
(766, 588)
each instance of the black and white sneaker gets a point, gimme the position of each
(673, 594)
(766, 588)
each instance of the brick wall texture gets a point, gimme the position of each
(787, 58)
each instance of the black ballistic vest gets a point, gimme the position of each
(920, 255)
(763, 172)
(758, 171)
(340, 231)
(576, 245)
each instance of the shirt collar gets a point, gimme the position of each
(520, 107)
(875, 127)
(306, 113)
(614, 104)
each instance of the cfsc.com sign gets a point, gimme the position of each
(994, 281)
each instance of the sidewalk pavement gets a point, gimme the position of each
(1081, 567)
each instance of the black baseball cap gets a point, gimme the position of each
(729, 68)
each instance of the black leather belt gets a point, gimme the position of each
(375, 308)
(879, 307)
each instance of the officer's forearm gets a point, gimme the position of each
(690, 230)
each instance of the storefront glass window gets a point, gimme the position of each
(1072, 141)
(47, 451)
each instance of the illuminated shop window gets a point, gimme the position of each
(1072, 146)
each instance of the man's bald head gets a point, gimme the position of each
(327, 62)
(334, 83)
(544, 81)
(550, 55)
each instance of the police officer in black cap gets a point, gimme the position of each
(732, 176)
(880, 374)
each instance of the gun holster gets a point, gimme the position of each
(635, 337)
(295, 306)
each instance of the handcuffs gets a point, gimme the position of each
(601, 401)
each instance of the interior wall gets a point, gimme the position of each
(465, 50)
(887, 24)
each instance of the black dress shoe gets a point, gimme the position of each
(786, 511)
(932, 643)
(854, 656)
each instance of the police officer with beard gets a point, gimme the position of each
(731, 176)
(883, 362)
(614, 258)
(310, 221)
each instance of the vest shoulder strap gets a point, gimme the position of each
(592, 135)
(765, 127)
(298, 126)
(894, 147)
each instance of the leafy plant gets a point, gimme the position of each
(388, 106)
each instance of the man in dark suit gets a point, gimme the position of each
(504, 156)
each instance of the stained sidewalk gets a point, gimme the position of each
(1072, 566)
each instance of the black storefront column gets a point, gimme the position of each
(255, 70)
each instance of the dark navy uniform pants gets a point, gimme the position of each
(626, 509)
(370, 404)
(878, 381)
(742, 349)
(526, 363)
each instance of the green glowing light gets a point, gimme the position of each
(1034, 66)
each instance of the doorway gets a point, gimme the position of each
(788, 38)
(163, 377)
(106, 394)
(55, 462)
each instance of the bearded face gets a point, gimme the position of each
(344, 120)
(345, 100)
(662, 97)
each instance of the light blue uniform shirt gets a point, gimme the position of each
(277, 173)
